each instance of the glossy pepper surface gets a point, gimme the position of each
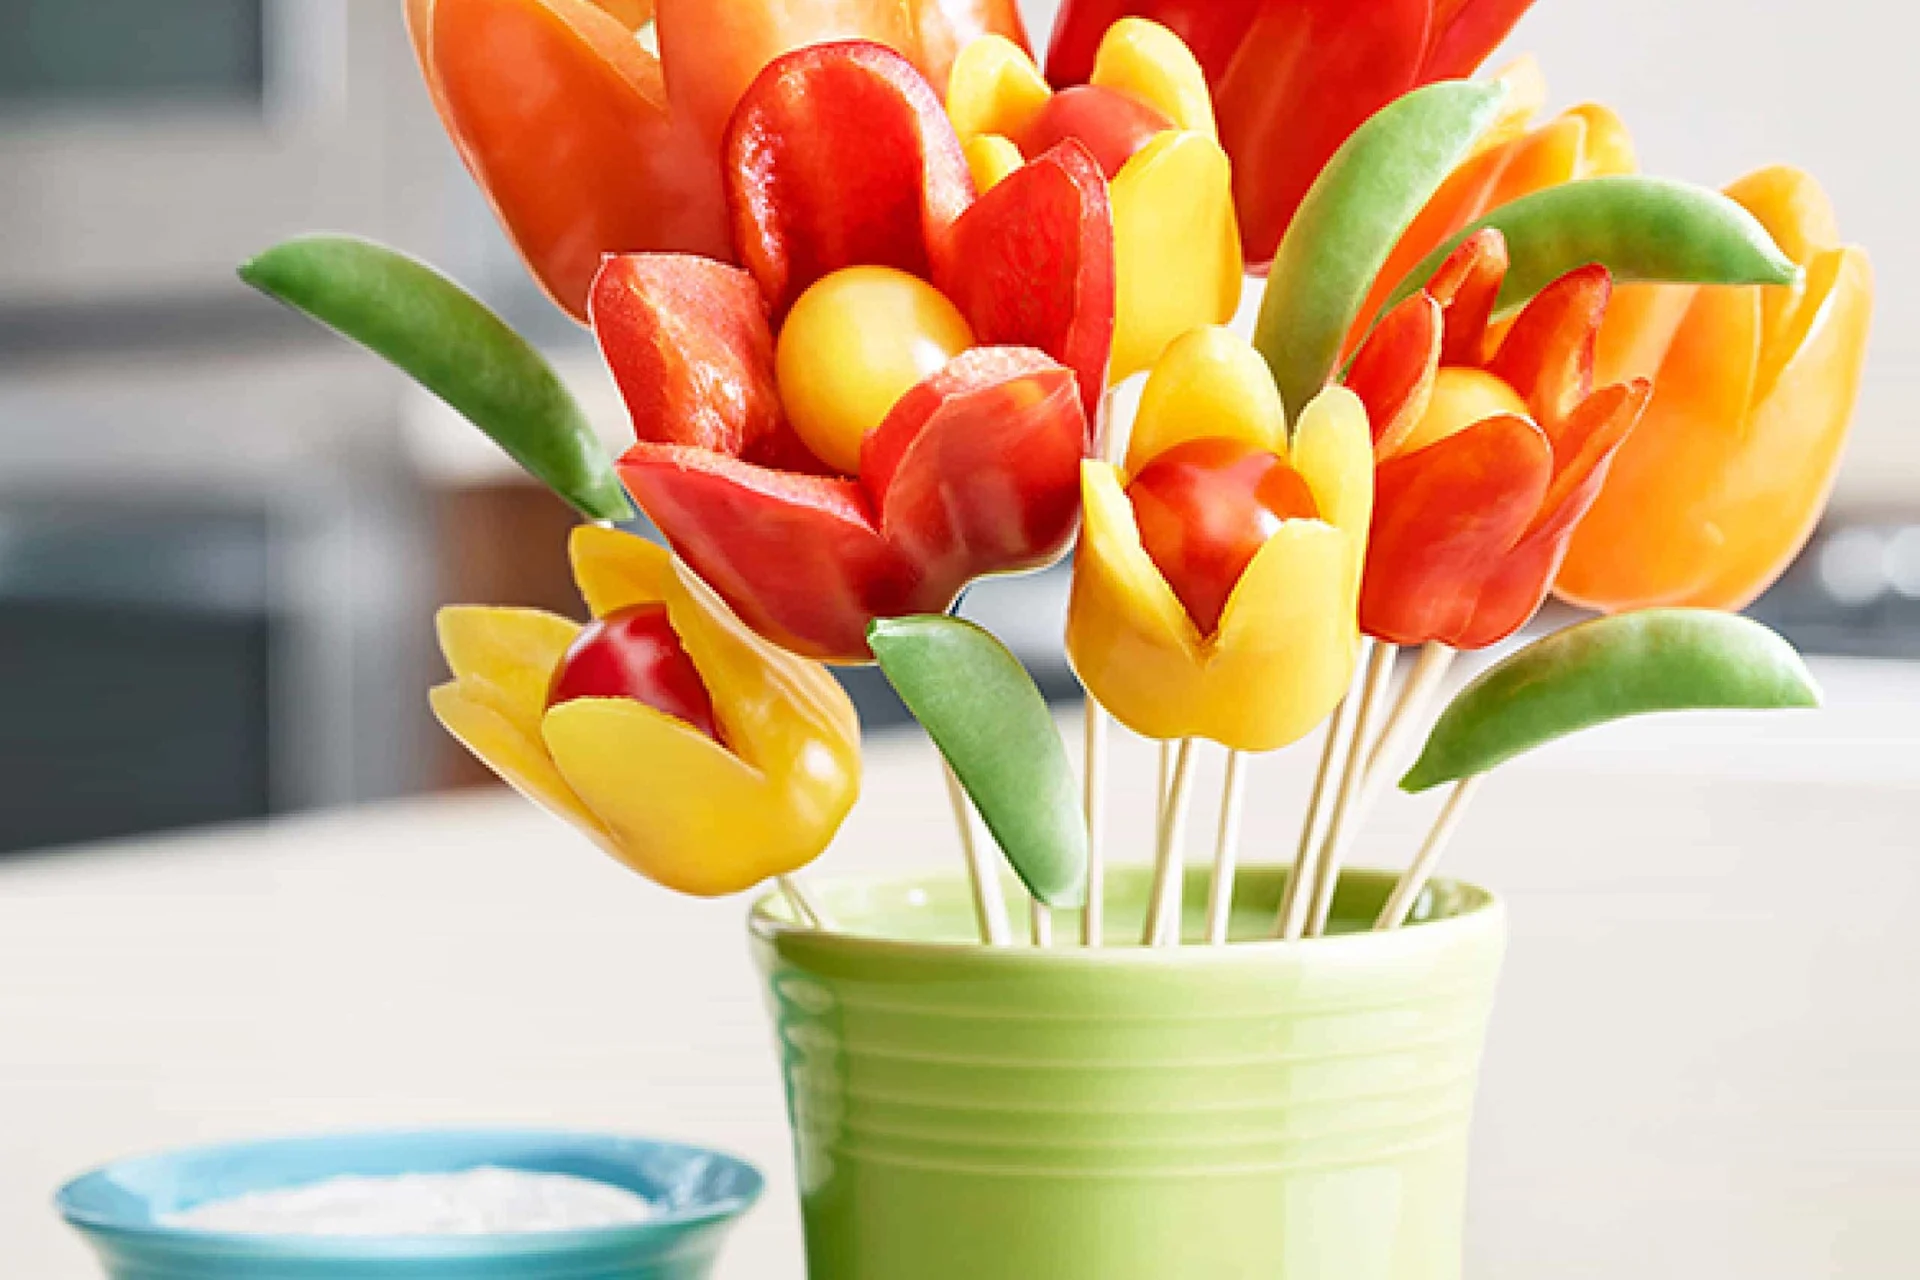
(1488, 453)
(1283, 650)
(698, 813)
(1292, 78)
(587, 142)
(849, 190)
(1146, 116)
(1754, 389)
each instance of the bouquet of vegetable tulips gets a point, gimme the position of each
(873, 286)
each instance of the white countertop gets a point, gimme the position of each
(1706, 1060)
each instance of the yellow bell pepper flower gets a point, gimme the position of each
(1283, 652)
(1177, 256)
(677, 806)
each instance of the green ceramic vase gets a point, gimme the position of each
(1269, 1110)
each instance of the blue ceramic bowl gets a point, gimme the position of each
(701, 1195)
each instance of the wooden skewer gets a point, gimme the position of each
(1226, 850)
(806, 908)
(1169, 880)
(1094, 922)
(1290, 921)
(1406, 892)
(1423, 681)
(1333, 850)
(989, 903)
(1040, 923)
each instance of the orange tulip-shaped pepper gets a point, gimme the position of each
(1754, 389)
(1487, 457)
(1213, 595)
(1146, 118)
(587, 143)
(683, 745)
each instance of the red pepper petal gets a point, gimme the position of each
(563, 118)
(1444, 519)
(1548, 354)
(1467, 286)
(840, 155)
(688, 343)
(1394, 373)
(1465, 34)
(1033, 265)
(797, 557)
(1593, 434)
(977, 469)
(1306, 74)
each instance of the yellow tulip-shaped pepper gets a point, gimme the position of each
(1722, 482)
(1218, 576)
(1146, 117)
(686, 747)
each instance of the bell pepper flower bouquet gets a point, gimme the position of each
(892, 309)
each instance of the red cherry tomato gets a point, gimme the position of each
(1205, 508)
(635, 654)
(1111, 125)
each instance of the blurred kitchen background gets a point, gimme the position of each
(222, 533)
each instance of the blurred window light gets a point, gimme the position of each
(88, 54)
(1853, 566)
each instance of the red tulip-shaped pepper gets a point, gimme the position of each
(1292, 78)
(893, 397)
(1486, 456)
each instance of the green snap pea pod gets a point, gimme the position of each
(1609, 669)
(982, 710)
(1352, 217)
(1639, 228)
(451, 344)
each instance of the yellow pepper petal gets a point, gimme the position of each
(1150, 64)
(1287, 641)
(1333, 452)
(505, 657)
(1176, 246)
(616, 570)
(1526, 95)
(1128, 637)
(991, 157)
(1608, 150)
(994, 88)
(519, 757)
(1209, 383)
(775, 709)
(681, 809)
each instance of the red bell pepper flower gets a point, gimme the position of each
(1292, 78)
(840, 160)
(1487, 453)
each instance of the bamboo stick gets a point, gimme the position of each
(1169, 880)
(989, 903)
(1406, 892)
(1340, 827)
(1093, 922)
(1424, 680)
(1226, 850)
(1040, 923)
(1290, 921)
(805, 908)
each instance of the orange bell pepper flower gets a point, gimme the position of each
(753, 787)
(1488, 454)
(1754, 389)
(588, 143)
